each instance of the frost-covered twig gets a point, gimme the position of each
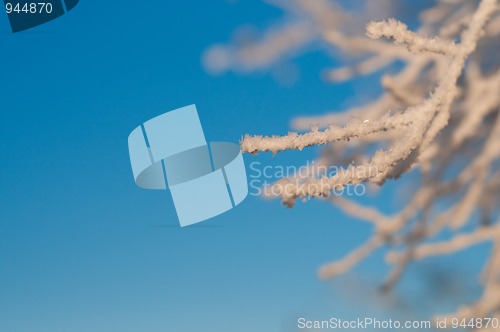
(293, 140)
(415, 43)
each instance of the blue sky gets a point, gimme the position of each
(83, 249)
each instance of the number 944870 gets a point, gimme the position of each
(29, 8)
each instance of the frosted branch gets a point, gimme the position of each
(429, 120)
(415, 43)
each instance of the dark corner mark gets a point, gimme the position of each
(27, 14)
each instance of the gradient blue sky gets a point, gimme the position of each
(83, 249)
